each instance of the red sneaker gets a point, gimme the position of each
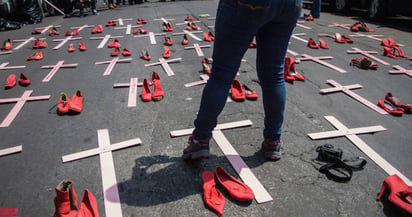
(71, 48)
(158, 93)
(211, 195)
(206, 66)
(82, 47)
(249, 93)
(237, 189)
(312, 44)
(7, 45)
(126, 52)
(238, 92)
(185, 39)
(23, 80)
(63, 104)
(11, 81)
(146, 93)
(115, 53)
(145, 55)
(76, 103)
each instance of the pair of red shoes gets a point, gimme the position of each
(394, 106)
(53, 31)
(111, 23)
(97, 29)
(114, 43)
(289, 71)
(141, 21)
(360, 26)
(11, 81)
(241, 92)
(342, 39)
(209, 36)
(364, 63)
(206, 66)
(146, 55)
(236, 189)
(36, 32)
(168, 41)
(66, 104)
(74, 33)
(116, 52)
(65, 202)
(252, 44)
(157, 94)
(82, 47)
(167, 27)
(400, 194)
(36, 56)
(137, 31)
(39, 44)
(191, 26)
(189, 18)
(322, 44)
(394, 52)
(7, 45)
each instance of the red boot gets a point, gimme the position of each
(88, 205)
(65, 200)
(400, 194)
(76, 103)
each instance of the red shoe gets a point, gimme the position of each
(126, 52)
(323, 44)
(292, 70)
(399, 52)
(82, 47)
(7, 45)
(308, 17)
(312, 44)
(146, 93)
(206, 66)
(250, 94)
(165, 27)
(63, 104)
(43, 44)
(189, 26)
(395, 101)
(390, 52)
(65, 201)
(11, 81)
(71, 48)
(23, 80)
(400, 194)
(67, 33)
(206, 37)
(158, 93)
(354, 27)
(95, 30)
(252, 44)
(194, 26)
(53, 32)
(75, 32)
(390, 109)
(286, 70)
(362, 63)
(145, 55)
(338, 38)
(388, 42)
(36, 32)
(346, 39)
(135, 31)
(115, 53)
(185, 39)
(364, 28)
(237, 189)
(211, 195)
(168, 41)
(212, 35)
(142, 31)
(36, 56)
(111, 23)
(114, 43)
(238, 92)
(169, 27)
(138, 21)
(88, 205)
(36, 43)
(189, 18)
(166, 54)
(100, 28)
(76, 103)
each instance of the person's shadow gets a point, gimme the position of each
(161, 179)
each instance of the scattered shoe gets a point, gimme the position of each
(146, 93)
(388, 107)
(322, 44)
(7, 45)
(196, 150)
(312, 44)
(67, 33)
(289, 72)
(71, 48)
(396, 102)
(168, 41)
(111, 23)
(189, 18)
(82, 47)
(88, 205)
(115, 43)
(142, 31)
(36, 56)
(63, 104)
(167, 27)
(158, 93)
(238, 92)
(271, 149)
(141, 21)
(116, 52)
(76, 103)
(75, 32)
(308, 17)
(389, 42)
(212, 197)
(135, 31)
(394, 52)
(39, 44)
(206, 66)
(249, 93)
(36, 32)
(65, 201)
(23, 80)
(400, 194)
(145, 55)
(211, 35)
(194, 26)
(346, 39)
(206, 37)
(364, 63)
(53, 31)
(166, 53)
(97, 29)
(185, 39)
(11, 81)
(188, 26)
(126, 52)
(237, 189)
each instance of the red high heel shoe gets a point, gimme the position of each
(395, 101)
(126, 52)
(158, 93)
(363, 63)
(338, 38)
(364, 28)
(114, 43)
(293, 72)
(7, 45)
(238, 92)
(168, 41)
(146, 93)
(212, 35)
(67, 33)
(82, 47)
(169, 27)
(252, 44)
(135, 31)
(23, 80)
(194, 26)
(312, 44)
(142, 31)
(206, 37)
(36, 56)
(323, 44)
(206, 66)
(145, 55)
(71, 48)
(390, 52)
(389, 108)
(286, 70)
(188, 27)
(399, 52)
(400, 194)
(308, 17)
(185, 39)
(388, 42)
(346, 39)
(354, 27)
(36, 44)
(189, 18)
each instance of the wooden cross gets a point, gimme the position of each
(63, 41)
(19, 105)
(4, 66)
(128, 28)
(347, 90)
(186, 22)
(261, 194)
(112, 63)
(55, 68)
(11, 150)
(108, 173)
(351, 134)
(120, 20)
(296, 36)
(132, 90)
(198, 48)
(401, 70)
(164, 19)
(165, 65)
(320, 61)
(104, 39)
(151, 35)
(190, 33)
(204, 78)
(24, 42)
(345, 26)
(80, 28)
(357, 34)
(367, 54)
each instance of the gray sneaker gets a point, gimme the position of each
(196, 150)
(271, 149)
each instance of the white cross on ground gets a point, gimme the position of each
(20, 101)
(374, 37)
(63, 41)
(151, 35)
(347, 90)
(11, 150)
(186, 22)
(112, 63)
(320, 61)
(296, 36)
(351, 134)
(204, 78)
(190, 33)
(132, 90)
(198, 48)
(110, 191)
(104, 39)
(356, 50)
(55, 68)
(401, 70)
(4, 66)
(165, 20)
(244, 172)
(6, 52)
(165, 65)
(303, 26)
(45, 29)
(128, 28)
(80, 28)
(345, 26)
(120, 20)
(24, 42)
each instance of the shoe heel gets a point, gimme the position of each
(384, 185)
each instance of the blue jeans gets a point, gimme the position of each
(237, 22)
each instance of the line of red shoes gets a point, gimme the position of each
(364, 63)
(360, 26)
(191, 26)
(394, 106)
(65, 104)
(65, 202)
(400, 194)
(289, 71)
(11, 81)
(241, 92)
(322, 44)
(97, 29)
(157, 94)
(116, 52)
(167, 27)
(7, 45)
(212, 195)
(82, 47)
(36, 56)
(74, 33)
(141, 21)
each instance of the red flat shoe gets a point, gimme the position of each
(206, 37)
(71, 48)
(36, 56)
(189, 18)
(88, 205)
(389, 108)
(238, 92)
(11, 81)
(212, 197)
(146, 93)
(145, 55)
(76, 103)
(286, 70)
(158, 93)
(400, 194)
(7, 45)
(166, 54)
(249, 93)
(194, 26)
(395, 101)
(36, 32)
(126, 52)
(63, 104)
(312, 44)
(23, 80)
(185, 39)
(142, 31)
(115, 53)
(82, 47)
(292, 70)
(346, 39)
(323, 44)
(237, 189)
(206, 66)
(168, 41)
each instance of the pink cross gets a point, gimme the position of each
(64, 40)
(401, 70)
(132, 90)
(11, 150)
(345, 26)
(151, 36)
(112, 63)
(4, 66)
(367, 54)
(190, 33)
(104, 39)
(128, 28)
(165, 65)
(198, 48)
(320, 61)
(24, 42)
(55, 68)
